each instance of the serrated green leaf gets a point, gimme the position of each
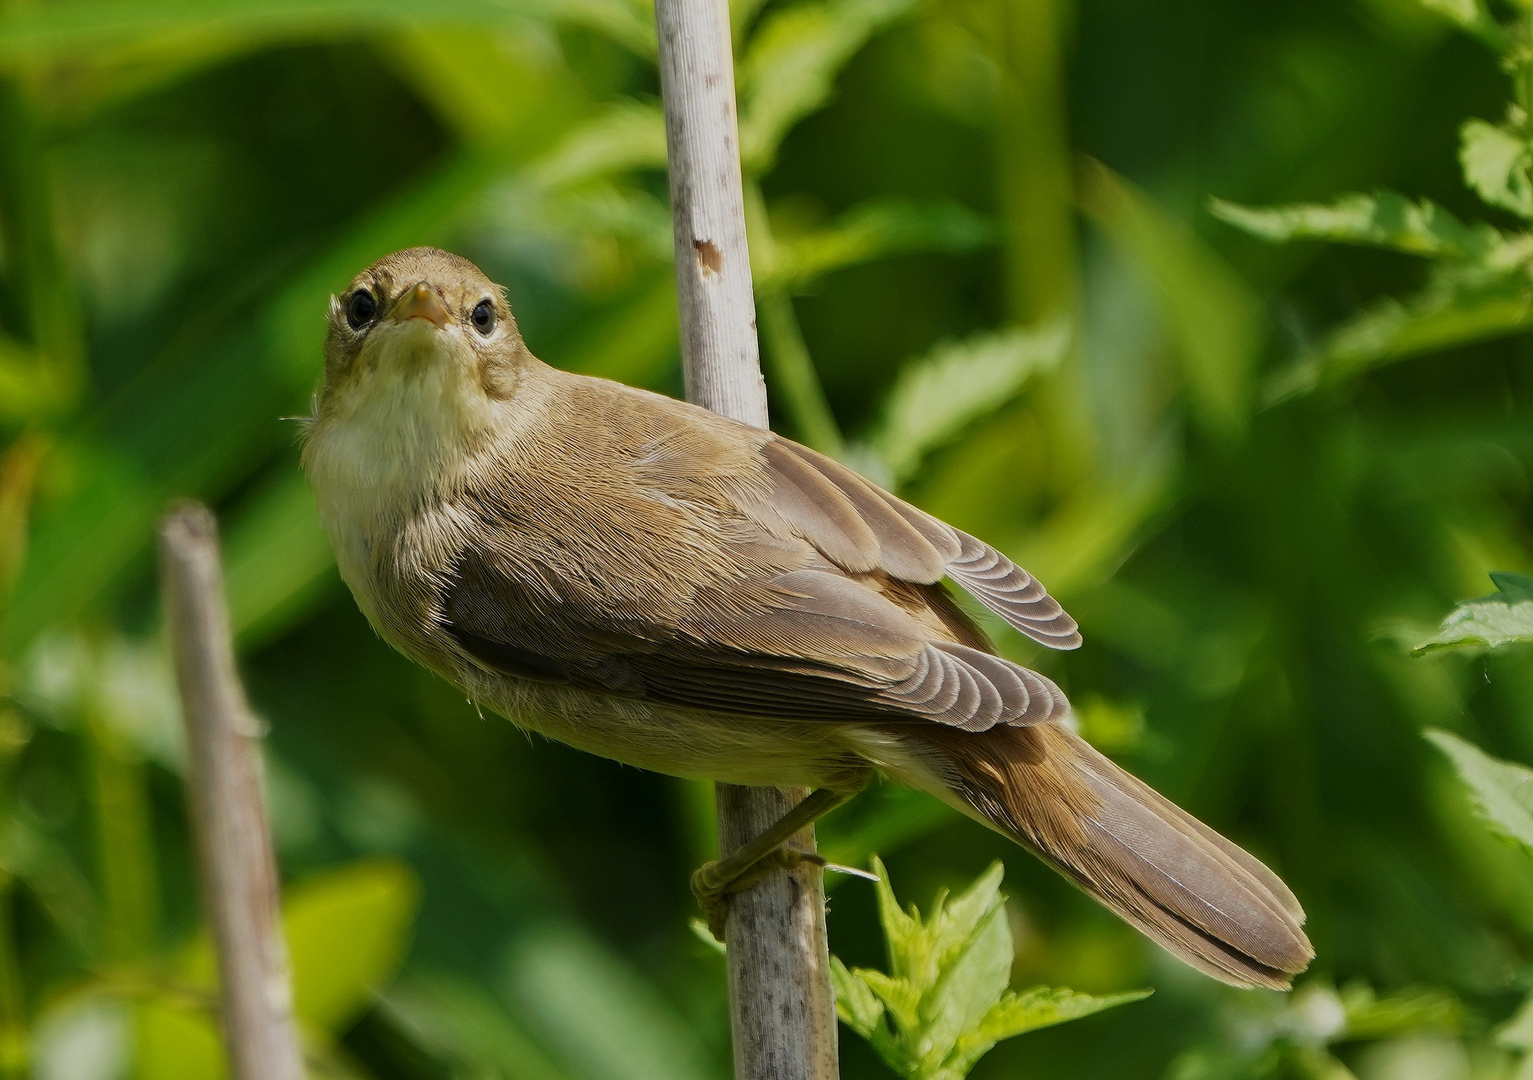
(971, 984)
(1382, 219)
(1031, 1010)
(900, 997)
(939, 395)
(955, 922)
(857, 1006)
(946, 1003)
(1463, 304)
(790, 67)
(1504, 617)
(1043, 1007)
(1495, 163)
(1502, 790)
(871, 230)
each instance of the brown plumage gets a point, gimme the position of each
(646, 580)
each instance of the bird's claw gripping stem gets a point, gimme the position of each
(714, 881)
(712, 884)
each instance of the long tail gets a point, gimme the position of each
(1159, 868)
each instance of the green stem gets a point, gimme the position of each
(792, 374)
(125, 846)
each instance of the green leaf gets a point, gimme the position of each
(277, 560)
(789, 69)
(945, 1003)
(1214, 318)
(346, 934)
(939, 395)
(460, 1024)
(80, 26)
(1504, 617)
(1495, 163)
(1502, 790)
(1382, 219)
(1461, 305)
(1018, 1014)
(871, 230)
(602, 1019)
(629, 135)
(178, 1039)
(1369, 1016)
(856, 1004)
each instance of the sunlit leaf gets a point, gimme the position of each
(1502, 790)
(346, 933)
(596, 1014)
(460, 1024)
(874, 229)
(1495, 163)
(1031, 1010)
(1382, 219)
(938, 396)
(1504, 617)
(178, 1039)
(944, 1002)
(277, 560)
(790, 66)
(629, 135)
(1369, 1016)
(1214, 318)
(76, 25)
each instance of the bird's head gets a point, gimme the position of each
(419, 321)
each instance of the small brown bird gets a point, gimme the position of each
(642, 579)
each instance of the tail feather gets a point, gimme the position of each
(1160, 869)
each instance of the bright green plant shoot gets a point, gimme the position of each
(945, 1001)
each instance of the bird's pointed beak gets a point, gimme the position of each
(421, 301)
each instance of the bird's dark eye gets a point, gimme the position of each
(483, 316)
(361, 309)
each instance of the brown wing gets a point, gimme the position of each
(697, 562)
(860, 527)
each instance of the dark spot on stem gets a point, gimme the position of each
(709, 257)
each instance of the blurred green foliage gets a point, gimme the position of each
(988, 275)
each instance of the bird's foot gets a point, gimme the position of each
(716, 880)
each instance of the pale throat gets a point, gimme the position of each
(399, 428)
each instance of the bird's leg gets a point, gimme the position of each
(714, 881)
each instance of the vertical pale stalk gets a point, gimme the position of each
(782, 1009)
(238, 868)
